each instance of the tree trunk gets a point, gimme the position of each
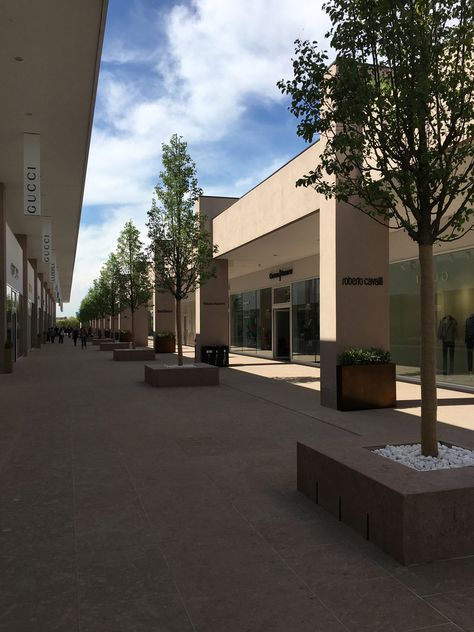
(429, 442)
(133, 328)
(179, 333)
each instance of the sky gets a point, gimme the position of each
(206, 70)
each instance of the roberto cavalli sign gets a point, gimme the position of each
(362, 280)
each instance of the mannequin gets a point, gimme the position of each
(469, 338)
(447, 333)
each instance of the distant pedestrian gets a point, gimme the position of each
(52, 334)
(75, 335)
(83, 337)
(61, 335)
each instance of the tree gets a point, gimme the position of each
(87, 309)
(181, 248)
(109, 288)
(396, 115)
(68, 321)
(135, 284)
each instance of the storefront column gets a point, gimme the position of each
(24, 345)
(41, 319)
(3, 276)
(115, 324)
(354, 290)
(34, 307)
(49, 322)
(212, 299)
(212, 310)
(165, 312)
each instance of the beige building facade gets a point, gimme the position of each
(300, 278)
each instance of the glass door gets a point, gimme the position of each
(282, 334)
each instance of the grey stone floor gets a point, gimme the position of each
(127, 508)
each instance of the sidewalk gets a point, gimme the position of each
(132, 509)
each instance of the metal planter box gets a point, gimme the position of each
(362, 386)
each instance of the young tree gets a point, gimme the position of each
(88, 309)
(135, 285)
(109, 287)
(396, 115)
(181, 248)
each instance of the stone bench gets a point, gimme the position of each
(198, 374)
(110, 346)
(134, 354)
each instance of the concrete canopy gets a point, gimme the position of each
(294, 241)
(49, 63)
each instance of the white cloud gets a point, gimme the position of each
(213, 58)
(219, 55)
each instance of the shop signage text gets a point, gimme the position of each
(213, 303)
(47, 241)
(362, 280)
(31, 175)
(280, 273)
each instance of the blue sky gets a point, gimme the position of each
(205, 69)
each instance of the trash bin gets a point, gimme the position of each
(208, 354)
(222, 355)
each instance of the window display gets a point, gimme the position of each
(454, 278)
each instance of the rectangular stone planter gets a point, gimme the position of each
(131, 355)
(110, 346)
(363, 386)
(99, 341)
(188, 375)
(414, 516)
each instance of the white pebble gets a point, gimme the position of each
(410, 455)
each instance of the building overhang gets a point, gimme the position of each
(297, 240)
(271, 205)
(49, 64)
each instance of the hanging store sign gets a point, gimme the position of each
(31, 175)
(52, 269)
(46, 241)
(280, 273)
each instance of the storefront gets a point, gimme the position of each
(454, 276)
(280, 322)
(14, 278)
(283, 322)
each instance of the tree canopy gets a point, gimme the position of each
(395, 114)
(396, 110)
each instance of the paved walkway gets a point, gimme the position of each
(131, 509)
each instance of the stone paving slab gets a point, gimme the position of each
(129, 508)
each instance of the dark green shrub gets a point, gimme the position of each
(356, 355)
(164, 334)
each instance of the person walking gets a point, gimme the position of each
(75, 335)
(61, 336)
(83, 337)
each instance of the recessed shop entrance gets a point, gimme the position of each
(281, 340)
